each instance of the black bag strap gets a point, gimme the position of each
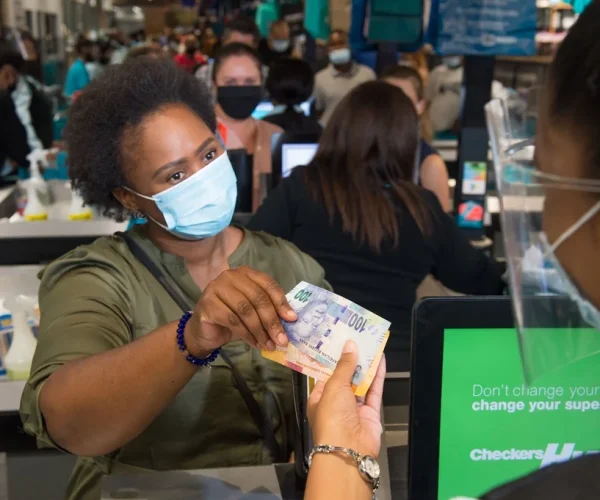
(261, 420)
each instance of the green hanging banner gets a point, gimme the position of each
(395, 21)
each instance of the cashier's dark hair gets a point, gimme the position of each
(572, 98)
(112, 107)
(290, 81)
(363, 169)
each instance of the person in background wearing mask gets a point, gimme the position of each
(290, 83)
(78, 77)
(239, 89)
(356, 209)
(340, 77)
(239, 30)
(120, 46)
(443, 92)
(278, 44)
(191, 58)
(553, 257)
(120, 370)
(101, 53)
(430, 170)
(25, 111)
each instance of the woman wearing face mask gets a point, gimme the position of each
(277, 45)
(119, 370)
(237, 77)
(334, 82)
(553, 256)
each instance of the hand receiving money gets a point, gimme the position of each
(325, 322)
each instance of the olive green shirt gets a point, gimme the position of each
(99, 297)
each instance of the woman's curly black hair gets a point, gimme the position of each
(114, 104)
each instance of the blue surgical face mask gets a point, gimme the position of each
(340, 56)
(453, 62)
(202, 205)
(280, 46)
(541, 262)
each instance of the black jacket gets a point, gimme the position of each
(13, 137)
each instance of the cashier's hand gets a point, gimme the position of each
(240, 304)
(338, 418)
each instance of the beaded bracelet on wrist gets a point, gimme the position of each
(183, 348)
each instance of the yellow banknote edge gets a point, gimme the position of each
(293, 358)
(362, 389)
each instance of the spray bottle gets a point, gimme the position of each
(36, 187)
(22, 348)
(78, 210)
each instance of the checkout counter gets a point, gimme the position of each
(24, 248)
(20, 460)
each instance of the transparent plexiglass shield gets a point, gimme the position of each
(556, 324)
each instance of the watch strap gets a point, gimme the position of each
(356, 457)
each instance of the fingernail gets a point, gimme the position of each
(291, 314)
(282, 339)
(269, 345)
(349, 347)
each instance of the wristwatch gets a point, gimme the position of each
(368, 467)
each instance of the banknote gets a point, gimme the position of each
(326, 321)
(296, 360)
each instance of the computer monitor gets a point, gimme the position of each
(294, 155)
(474, 422)
(290, 150)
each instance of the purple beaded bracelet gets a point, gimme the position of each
(183, 348)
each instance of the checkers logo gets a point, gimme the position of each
(554, 453)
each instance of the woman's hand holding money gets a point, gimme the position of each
(240, 304)
(338, 418)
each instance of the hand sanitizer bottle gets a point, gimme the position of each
(78, 210)
(36, 186)
(22, 348)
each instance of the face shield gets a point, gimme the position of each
(557, 324)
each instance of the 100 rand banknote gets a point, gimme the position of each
(326, 321)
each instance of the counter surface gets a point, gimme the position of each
(256, 483)
(10, 395)
(17, 280)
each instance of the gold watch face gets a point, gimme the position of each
(370, 468)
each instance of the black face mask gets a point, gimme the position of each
(238, 102)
